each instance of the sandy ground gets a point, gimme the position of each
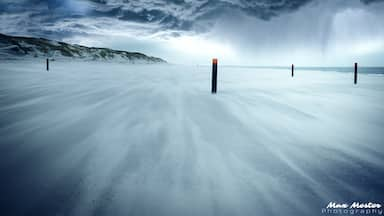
(113, 139)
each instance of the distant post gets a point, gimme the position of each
(214, 76)
(355, 73)
(293, 69)
(47, 64)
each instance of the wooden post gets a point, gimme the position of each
(47, 64)
(293, 69)
(214, 76)
(355, 73)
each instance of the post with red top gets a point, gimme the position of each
(293, 69)
(47, 64)
(355, 73)
(214, 76)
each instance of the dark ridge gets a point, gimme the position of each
(15, 47)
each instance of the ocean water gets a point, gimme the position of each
(363, 70)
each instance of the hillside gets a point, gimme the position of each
(12, 47)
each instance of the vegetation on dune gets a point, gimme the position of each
(40, 47)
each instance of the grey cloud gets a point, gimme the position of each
(179, 15)
(371, 1)
(167, 14)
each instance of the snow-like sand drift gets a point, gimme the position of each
(115, 139)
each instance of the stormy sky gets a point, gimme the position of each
(238, 32)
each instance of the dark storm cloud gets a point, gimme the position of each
(34, 15)
(371, 1)
(45, 17)
(180, 14)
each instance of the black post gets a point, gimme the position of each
(355, 73)
(47, 64)
(214, 76)
(293, 69)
